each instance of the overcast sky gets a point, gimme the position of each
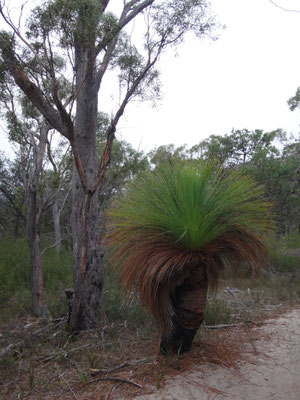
(242, 80)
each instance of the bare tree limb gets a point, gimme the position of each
(137, 10)
(60, 121)
(282, 8)
(21, 37)
(112, 128)
(53, 245)
(123, 21)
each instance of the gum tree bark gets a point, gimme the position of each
(88, 280)
(31, 181)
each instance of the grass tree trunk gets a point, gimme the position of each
(188, 301)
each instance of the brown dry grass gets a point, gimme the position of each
(50, 364)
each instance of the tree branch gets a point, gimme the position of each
(282, 8)
(104, 4)
(105, 159)
(21, 37)
(137, 10)
(123, 21)
(35, 94)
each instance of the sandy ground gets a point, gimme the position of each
(271, 373)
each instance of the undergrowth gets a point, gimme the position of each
(47, 359)
(281, 282)
(15, 294)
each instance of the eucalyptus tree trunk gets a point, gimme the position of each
(189, 302)
(40, 308)
(88, 280)
(56, 222)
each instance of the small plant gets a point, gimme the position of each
(282, 262)
(177, 357)
(92, 359)
(158, 379)
(82, 376)
(31, 372)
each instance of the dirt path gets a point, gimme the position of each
(271, 373)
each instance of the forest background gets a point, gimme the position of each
(42, 248)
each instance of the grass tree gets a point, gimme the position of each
(174, 230)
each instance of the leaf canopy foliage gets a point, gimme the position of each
(192, 204)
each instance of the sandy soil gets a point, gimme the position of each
(271, 373)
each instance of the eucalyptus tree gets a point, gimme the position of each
(167, 153)
(92, 41)
(31, 159)
(175, 229)
(279, 173)
(31, 135)
(240, 146)
(12, 202)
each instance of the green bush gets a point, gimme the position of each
(291, 241)
(282, 262)
(14, 266)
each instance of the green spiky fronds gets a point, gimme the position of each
(178, 218)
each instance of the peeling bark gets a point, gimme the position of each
(40, 308)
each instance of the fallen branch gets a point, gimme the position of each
(121, 380)
(57, 322)
(9, 348)
(247, 321)
(95, 372)
(221, 326)
(65, 352)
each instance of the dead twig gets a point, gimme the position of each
(223, 326)
(95, 372)
(65, 352)
(57, 322)
(10, 348)
(67, 383)
(121, 380)
(248, 321)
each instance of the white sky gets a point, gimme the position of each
(242, 80)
